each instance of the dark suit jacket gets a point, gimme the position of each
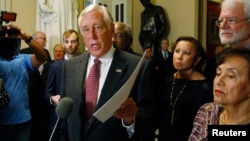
(52, 87)
(54, 79)
(46, 70)
(122, 66)
(166, 67)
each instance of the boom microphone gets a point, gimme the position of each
(63, 110)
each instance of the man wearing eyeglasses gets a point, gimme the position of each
(234, 23)
(123, 37)
(234, 29)
(40, 38)
(92, 78)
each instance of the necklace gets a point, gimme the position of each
(223, 119)
(173, 102)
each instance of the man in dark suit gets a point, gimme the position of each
(52, 90)
(39, 112)
(40, 38)
(58, 53)
(97, 28)
(164, 59)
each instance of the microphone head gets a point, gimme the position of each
(64, 107)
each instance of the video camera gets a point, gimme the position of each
(9, 43)
(7, 29)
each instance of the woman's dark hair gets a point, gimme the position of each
(199, 48)
(234, 52)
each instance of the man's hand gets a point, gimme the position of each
(55, 99)
(127, 111)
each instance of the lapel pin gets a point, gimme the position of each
(118, 70)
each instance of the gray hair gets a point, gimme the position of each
(128, 29)
(232, 3)
(58, 45)
(37, 34)
(107, 17)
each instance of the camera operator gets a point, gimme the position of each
(14, 71)
(38, 109)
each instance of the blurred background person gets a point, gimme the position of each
(58, 53)
(41, 39)
(164, 59)
(123, 37)
(149, 53)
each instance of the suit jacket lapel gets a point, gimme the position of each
(115, 73)
(80, 77)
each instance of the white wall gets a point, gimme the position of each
(183, 17)
(26, 13)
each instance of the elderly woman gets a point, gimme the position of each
(231, 95)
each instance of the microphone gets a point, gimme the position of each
(63, 110)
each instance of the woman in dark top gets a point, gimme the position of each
(183, 92)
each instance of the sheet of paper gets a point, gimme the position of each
(107, 110)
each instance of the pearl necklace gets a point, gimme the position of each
(176, 99)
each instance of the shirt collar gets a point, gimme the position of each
(107, 57)
(164, 52)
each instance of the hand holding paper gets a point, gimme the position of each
(127, 111)
(108, 109)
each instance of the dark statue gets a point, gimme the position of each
(154, 26)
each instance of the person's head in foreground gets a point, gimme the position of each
(231, 95)
(232, 86)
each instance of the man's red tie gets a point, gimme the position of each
(91, 87)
